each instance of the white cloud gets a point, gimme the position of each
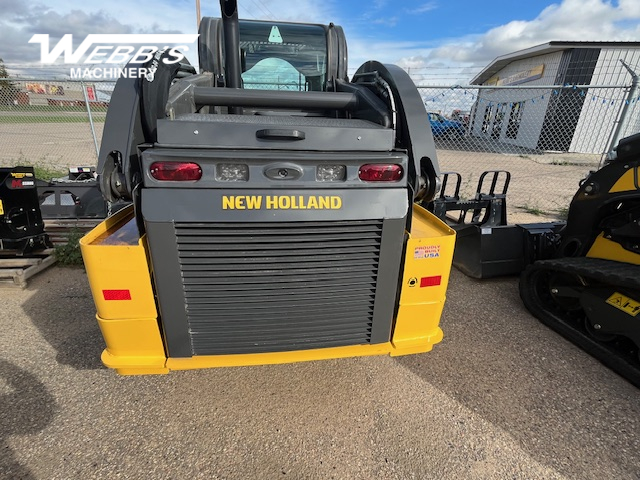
(386, 21)
(578, 20)
(380, 4)
(457, 60)
(595, 20)
(424, 8)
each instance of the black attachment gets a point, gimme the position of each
(487, 208)
(485, 245)
(21, 225)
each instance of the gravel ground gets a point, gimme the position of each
(502, 397)
(52, 145)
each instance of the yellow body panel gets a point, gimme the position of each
(429, 254)
(610, 250)
(117, 261)
(134, 346)
(607, 249)
(627, 182)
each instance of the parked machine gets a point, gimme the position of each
(21, 225)
(582, 276)
(590, 291)
(75, 196)
(273, 216)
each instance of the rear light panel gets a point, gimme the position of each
(380, 173)
(176, 171)
(189, 171)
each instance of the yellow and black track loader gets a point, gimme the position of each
(273, 214)
(590, 290)
(580, 277)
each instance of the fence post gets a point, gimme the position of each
(625, 108)
(93, 130)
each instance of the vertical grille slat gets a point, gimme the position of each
(269, 287)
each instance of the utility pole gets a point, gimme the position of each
(197, 15)
(625, 108)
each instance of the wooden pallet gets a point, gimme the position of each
(16, 270)
(59, 229)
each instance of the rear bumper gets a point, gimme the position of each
(133, 362)
(133, 332)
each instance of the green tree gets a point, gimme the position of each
(8, 91)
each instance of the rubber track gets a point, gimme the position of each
(615, 355)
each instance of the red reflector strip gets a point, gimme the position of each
(430, 281)
(116, 294)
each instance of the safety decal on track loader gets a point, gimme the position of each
(626, 304)
(1, 208)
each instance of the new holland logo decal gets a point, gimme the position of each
(281, 202)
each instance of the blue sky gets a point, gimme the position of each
(432, 37)
(436, 20)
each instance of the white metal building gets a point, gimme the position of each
(559, 119)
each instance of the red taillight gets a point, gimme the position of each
(380, 173)
(176, 171)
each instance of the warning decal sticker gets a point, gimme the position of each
(626, 304)
(427, 251)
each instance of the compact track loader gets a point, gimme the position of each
(590, 290)
(580, 277)
(273, 216)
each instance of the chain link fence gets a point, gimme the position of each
(52, 124)
(549, 137)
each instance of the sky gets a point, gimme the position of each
(439, 41)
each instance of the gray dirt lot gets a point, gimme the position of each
(53, 145)
(502, 397)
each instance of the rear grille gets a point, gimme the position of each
(268, 287)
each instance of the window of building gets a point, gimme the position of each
(515, 117)
(486, 121)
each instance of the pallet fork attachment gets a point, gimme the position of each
(486, 246)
